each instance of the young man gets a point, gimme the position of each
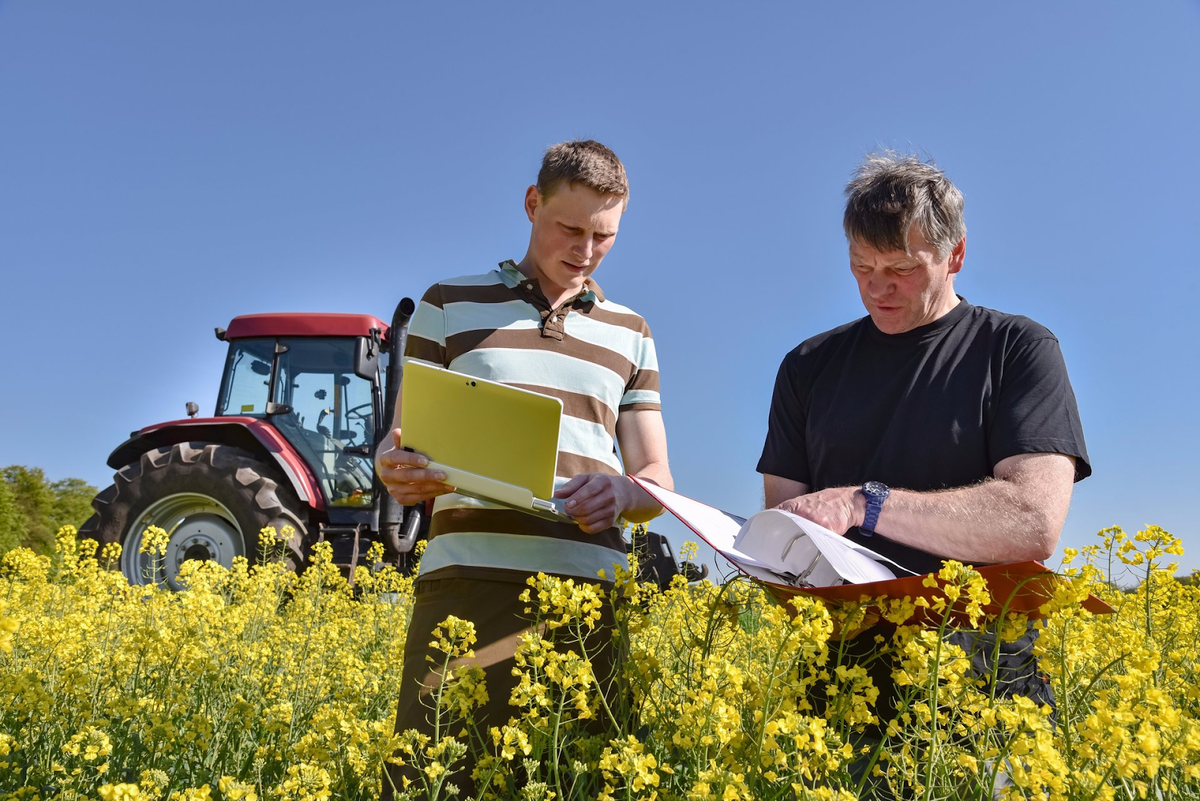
(544, 324)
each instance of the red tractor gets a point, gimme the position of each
(304, 401)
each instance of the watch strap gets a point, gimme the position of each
(875, 494)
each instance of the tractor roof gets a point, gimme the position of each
(302, 324)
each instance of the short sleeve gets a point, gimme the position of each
(785, 452)
(642, 390)
(427, 330)
(1036, 411)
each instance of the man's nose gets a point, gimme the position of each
(583, 248)
(878, 286)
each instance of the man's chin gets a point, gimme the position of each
(574, 283)
(889, 323)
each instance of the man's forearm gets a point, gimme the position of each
(999, 520)
(640, 506)
(643, 441)
(1017, 515)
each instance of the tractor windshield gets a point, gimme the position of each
(247, 378)
(323, 408)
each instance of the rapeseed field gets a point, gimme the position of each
(255, 684)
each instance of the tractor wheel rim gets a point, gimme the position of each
(197, 526)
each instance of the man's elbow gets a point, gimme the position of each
(1044, 549)
(1041, 487)
(1044, 530)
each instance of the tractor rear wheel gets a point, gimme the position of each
(211, 499)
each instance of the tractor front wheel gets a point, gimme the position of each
(211, 500)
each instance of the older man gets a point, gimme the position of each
(930, 429)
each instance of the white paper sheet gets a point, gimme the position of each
(777, 546)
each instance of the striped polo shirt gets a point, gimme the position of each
(594, 355)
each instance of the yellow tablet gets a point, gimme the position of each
(494, 441)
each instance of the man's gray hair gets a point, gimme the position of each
(890, 192)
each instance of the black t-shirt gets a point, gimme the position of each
(932, 408)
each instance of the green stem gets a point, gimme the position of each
(554, 751)
(933, 711)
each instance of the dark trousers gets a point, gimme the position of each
(500, 621)
(1009, 669)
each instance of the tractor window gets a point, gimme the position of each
(247, 378)
(332, 409)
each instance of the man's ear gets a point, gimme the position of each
(533, 199)
(958, 255)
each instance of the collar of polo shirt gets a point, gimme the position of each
(512, 277)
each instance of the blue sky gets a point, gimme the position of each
(167, 166)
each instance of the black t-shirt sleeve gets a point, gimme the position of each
(1036, 410)
(785, 452)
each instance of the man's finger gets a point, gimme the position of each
(396, 458)
(396, 439)
(572, 486)
(408, 494)
(425, 488)
(597, 522)
(411, 475)
(589, 491)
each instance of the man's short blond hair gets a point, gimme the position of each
(583, 162)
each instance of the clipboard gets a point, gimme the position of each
(1020, 587)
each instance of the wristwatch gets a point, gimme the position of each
(876, 493)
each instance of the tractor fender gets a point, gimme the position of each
(248, 433)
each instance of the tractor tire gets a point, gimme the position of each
(211, 499)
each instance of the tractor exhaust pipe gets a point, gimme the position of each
(398, 526)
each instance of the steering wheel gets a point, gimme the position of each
(358, 412)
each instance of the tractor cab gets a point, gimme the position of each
(316, 379)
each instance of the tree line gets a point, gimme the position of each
(32, 508)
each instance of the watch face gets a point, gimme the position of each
(877, 488)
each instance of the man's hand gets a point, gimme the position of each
(1013, 517)
(838, 509)
(596, 500)
(403, 473)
